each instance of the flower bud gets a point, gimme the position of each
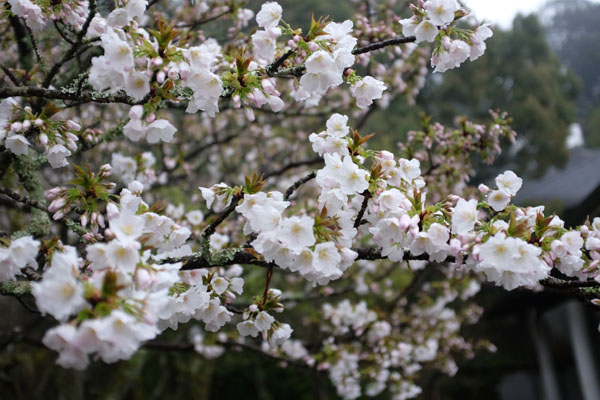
(483, 188)
(249, 114)
(136, 112)
(71, 145)
(73, 126)
(100, 220)
(16, 126)
(57, 204)
(160, 77)
(112, 210)
(136, 187)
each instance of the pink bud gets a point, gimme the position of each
(16, 126)
(57, 204)
(73, 126)
(84, 219)
(71, 145)
(483, 188)
(43, 139)
(160, 77)
(136, 112)
(100, 220)
(236, 101)
(173, 74)
(143, 278)
(249, 114)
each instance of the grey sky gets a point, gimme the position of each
(501, 12)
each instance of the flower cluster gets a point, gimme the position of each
(57, 138)
(36, 13)
(433, 23)
(258, 320)
(20, 253)
(121, 294)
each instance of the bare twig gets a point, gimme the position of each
(380, 45)
(275, 65)
(22, 199)
(292, 165)
(297, 184)
(74, 47)
(89, 97)
(210, 229)
(366, 196)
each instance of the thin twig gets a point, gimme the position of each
(22, 199)
(294, 164)
(297, 184)
(10, 75)
(366, 196)
(89, 97)
(275, 65)
(210, 229)
(380, 45)
(74, 47)
(195, 24)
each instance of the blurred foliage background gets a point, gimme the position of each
(543, 71)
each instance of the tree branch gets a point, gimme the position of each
(294, 164)
(380, 45)
(74, 47)
(22, 199)
(556, 283)
(297, 184)
(363, 207)
(88, 97)
(275, 65)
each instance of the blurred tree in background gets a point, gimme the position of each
(574, 33)
(521, 74)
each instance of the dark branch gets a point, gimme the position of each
(297, 184)
(556, 283)
(210, 229)
(22, 199)
(382, 44)
(366, 196)
(275, 65)
(74, 47)
(195, 24)
(203, 147)
(295, 164)
(298, 71)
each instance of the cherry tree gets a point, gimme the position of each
(157, 156)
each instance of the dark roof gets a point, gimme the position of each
(569, 185)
